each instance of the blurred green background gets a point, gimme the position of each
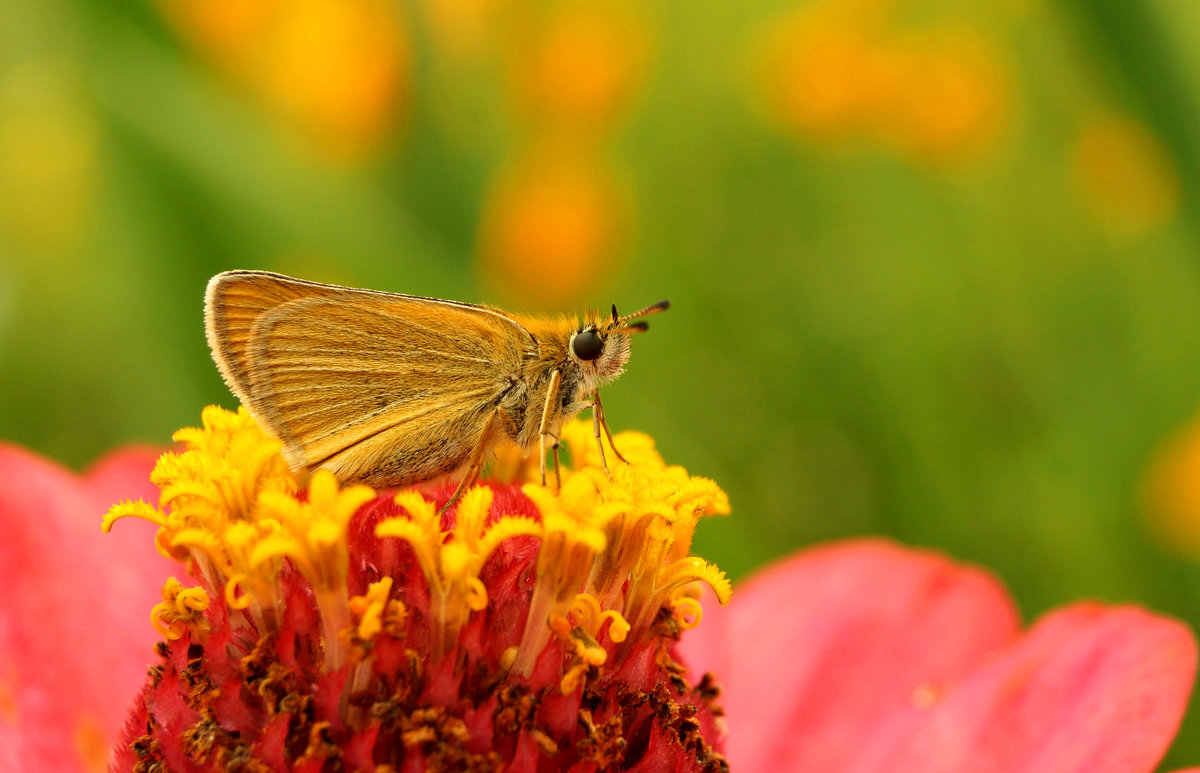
(934, 264)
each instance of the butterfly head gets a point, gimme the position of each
(601, 343)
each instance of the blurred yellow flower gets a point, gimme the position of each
(1123, 176)
(553, 226)
(1171, 491)
(837, 73)
(48, 158)
(581, 64)
(463, 28)
(337, 69)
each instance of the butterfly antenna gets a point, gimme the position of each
(626, 324)
(653, 308)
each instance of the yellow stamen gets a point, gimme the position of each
(585, 610)
(644, 517)
(452, 562)
(585, 607)
(572, 679)
(208, 506)
(618, 629)
(181, 608)
(369, 608)
(587, 651)
(312, 535)
(687, 611)
(614, 550)
(565, 560)
(232, 598)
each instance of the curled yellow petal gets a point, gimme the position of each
(693, 569)
(132, 509)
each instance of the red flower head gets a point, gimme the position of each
(334, 629)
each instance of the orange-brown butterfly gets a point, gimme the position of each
(391, 390)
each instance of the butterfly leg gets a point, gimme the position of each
(596, 432)
(598, 422)
(474, 466)
(554, 451)
(544, 429)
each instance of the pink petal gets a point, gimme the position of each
(137, 570)
(819, 651)
(73, 651)
(122, 474)
(1089, 688)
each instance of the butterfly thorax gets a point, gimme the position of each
(578, 379)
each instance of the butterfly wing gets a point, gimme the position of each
(233, 302)
(380, 388)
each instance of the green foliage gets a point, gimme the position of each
(957, 353)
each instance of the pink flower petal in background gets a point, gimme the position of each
(122, 474)
(125, 474)
(75, 634)
(1088, 688)
(871, 657)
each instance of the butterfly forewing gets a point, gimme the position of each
(234, 302)
(367, 384)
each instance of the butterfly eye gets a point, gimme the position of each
(587, 345)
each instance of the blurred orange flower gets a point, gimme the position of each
(824, 74)
(337, 69)
(553, 226)
(838, 73)
(554, 222)
(1123, 176)
(953, 99)
(580, 64)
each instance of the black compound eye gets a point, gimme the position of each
(587, 345)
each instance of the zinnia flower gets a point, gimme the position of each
(343, 630)
(335, 629)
